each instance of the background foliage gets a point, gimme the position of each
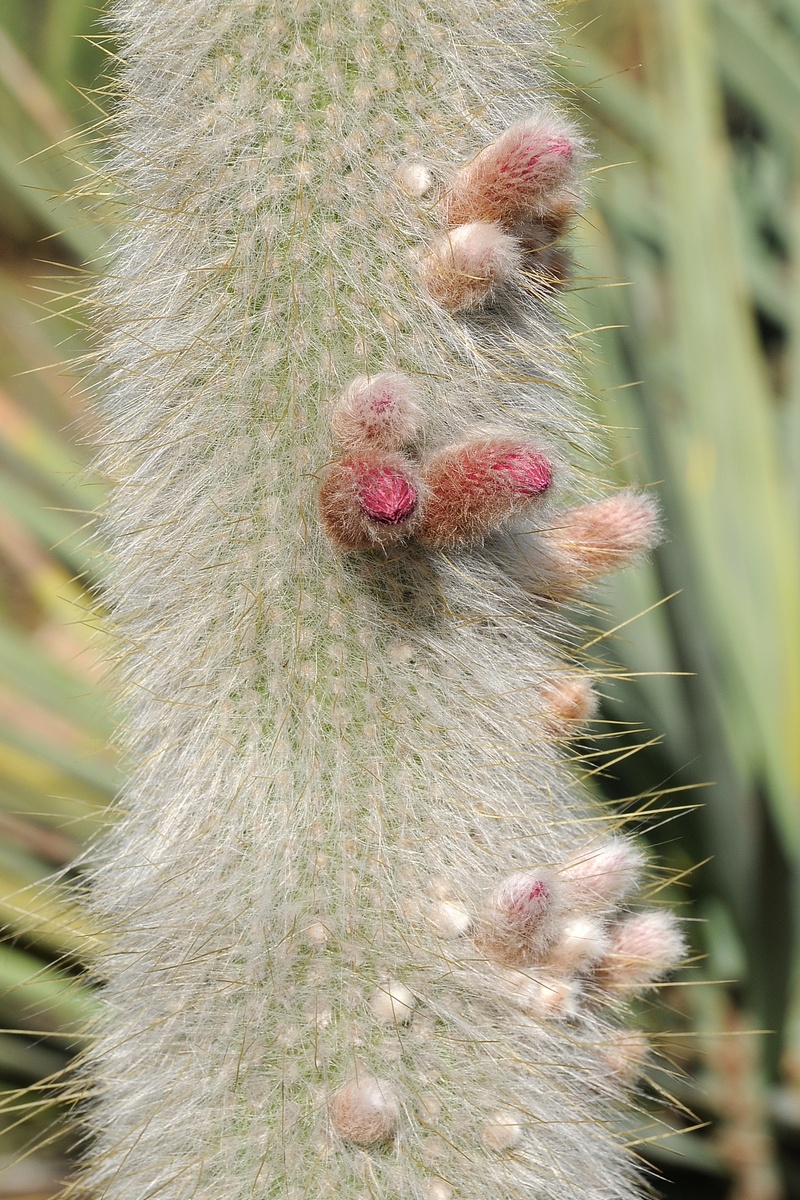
(686, 309)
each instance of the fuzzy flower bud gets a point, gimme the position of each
(466, 268)
(582, 942)
(366, 1112)
(369, 500)
(380, 413)
(449, 918)
(476, 486)
(521, 919)
(604, 874)
(547, 259)
(569, 704)
(516, 176)
(589, 541)
(642, 949)
(544, 234)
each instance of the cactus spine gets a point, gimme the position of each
(363, 937)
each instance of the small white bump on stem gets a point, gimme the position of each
(393, 1003)
(415, 178)
(450, 918)
(365, 1112)
(501, 1132)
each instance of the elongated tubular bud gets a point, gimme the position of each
(370, 500)
(521, 920)
(643, 948)
(569, 704)
(475, 486)
(603, 875)
(366, 1112)
(516, 176)
(465, 269)
(589, 541)
(379, 413)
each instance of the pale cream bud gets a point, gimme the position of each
(502, 1132)
(450, 919)
(317, 934)
(393, 1003)
(642, 949)
(415, 178)
(582, 942)
(465, 269)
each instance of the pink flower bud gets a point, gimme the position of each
(465, 269)
(475, 486)
(604, 874)
(568, 705)
(379, 413)
(643, 948)
(521, 920)
(369, 500)
(365, 1111)
(515, 177)
(591, 540)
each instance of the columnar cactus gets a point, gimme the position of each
(365, 934)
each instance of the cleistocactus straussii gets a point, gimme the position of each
(366, 934)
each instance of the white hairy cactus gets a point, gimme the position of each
(352, 940)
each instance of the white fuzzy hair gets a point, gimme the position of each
(321, 743)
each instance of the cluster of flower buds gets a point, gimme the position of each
(557, 938)
(505, 211)
(380, 493)
(555, 942)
